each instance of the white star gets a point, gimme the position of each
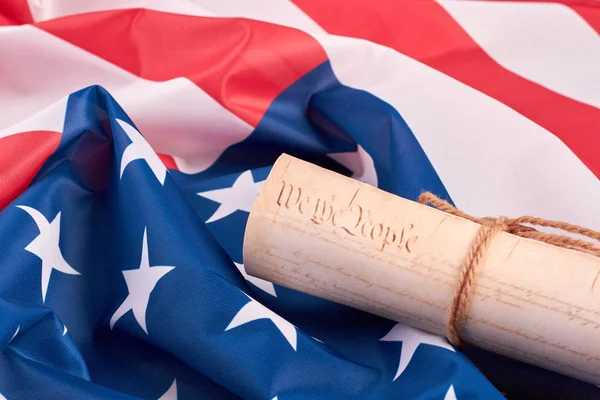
(46, 247)
(240, 196)
(170, 394)
(274, 398)
(139, 149)
(2, 397)
(15, 334)
(259, 283)
(450, 395)
(360, 163)
(140, 284)
(411, 338)
(253, 311)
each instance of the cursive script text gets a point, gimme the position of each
(353, 219)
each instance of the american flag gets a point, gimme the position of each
(136, 134)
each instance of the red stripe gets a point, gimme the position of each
(14, 12)
(243, 64)
(21, 157)
(424, 31)
(590, 14)
(168, 161)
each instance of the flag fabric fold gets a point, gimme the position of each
(136, 135)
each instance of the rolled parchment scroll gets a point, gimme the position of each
(333, 237)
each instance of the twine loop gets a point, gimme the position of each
(461, 300)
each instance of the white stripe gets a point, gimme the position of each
(51, 118)
(547, 43)
(492, 160)
(176, 116)
(264, 10)
(43, 10)
(282, 12)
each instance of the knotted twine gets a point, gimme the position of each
(461, 300)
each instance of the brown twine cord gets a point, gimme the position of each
(461, 301)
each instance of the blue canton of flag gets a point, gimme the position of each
(113, 286)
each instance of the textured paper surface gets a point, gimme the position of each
(333, 237)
